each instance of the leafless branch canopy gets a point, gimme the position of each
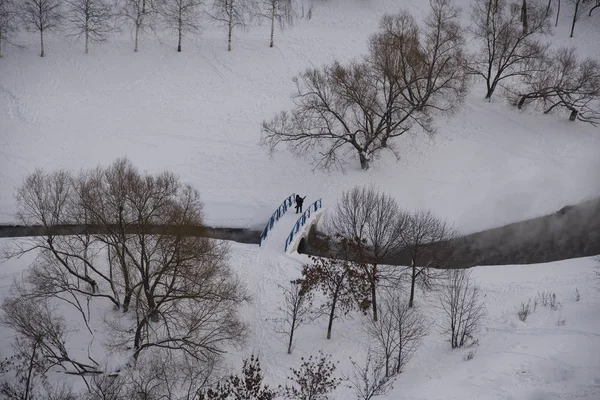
(90, 19)
(358, 108)
(507, 50)
(564, 81)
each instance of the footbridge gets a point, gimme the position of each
(287, 230)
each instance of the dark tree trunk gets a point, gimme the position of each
(332, 314)
(374, 292)
(524, 16)
(574, 17)
(557, 14)
(412, 285)
(364, 161)
(41, 43)
(573, 115)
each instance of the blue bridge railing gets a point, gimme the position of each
(314, 207)
(276, 215)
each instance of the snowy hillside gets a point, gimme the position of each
(532, 360)
(198, 114)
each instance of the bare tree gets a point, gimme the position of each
(314, 380)
(359, 108)
(41, 16)
(370, 380)
(340, 280)
(139, 13)
(462, 306)
(277, 11)
(91, 19)
(8, 22)
(296, 310)
(564, 82)
(368, 215)
(231, 13)
(507, 50)
(182, 16)
(427, 238)
(398, 332)
(66, 263)
(36, 324)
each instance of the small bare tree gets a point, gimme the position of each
(140, 14)
(249, 385)
(8, 22)
(314, 380)
(398, 332)
(370, 380)
(41, 16)
(340, 280)
(507, 50)
(91, 19)
(564, 82)
(231, 13)
(359, 108)
(427, 238)
(462, 306)
(374, 218)
(182, 16)
(277, 11)
(296, 310)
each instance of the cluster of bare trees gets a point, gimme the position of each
(369, 228)
(131, 250)
(514, 50)
(413, 73)
(408, 75)
(94, 20)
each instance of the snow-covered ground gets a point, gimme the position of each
(198, 114)
(532, 360)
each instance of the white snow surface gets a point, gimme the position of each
(532, 360)
(198, 114)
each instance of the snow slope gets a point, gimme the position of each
(198, 114)
(535, 360)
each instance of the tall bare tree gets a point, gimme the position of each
(296, 310)
(398, 332)
(462, 305)
(277, 11)
(8, 22)
(41, 16)
(374, 218)
(91, 19)
(564, 82)
(507, 49)
(427, 238)
(358, 108)
(139, 13)
(231, 13)
(182, 16)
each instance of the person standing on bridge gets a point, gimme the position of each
(299, 201)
